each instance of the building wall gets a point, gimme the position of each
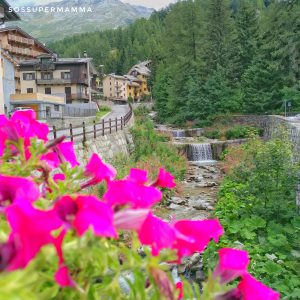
(9, 85)
(115, 87)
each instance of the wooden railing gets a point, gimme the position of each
(92, 131)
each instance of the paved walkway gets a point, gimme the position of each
(118, 111)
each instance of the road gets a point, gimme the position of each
(118, 111)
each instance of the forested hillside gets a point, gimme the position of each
(209, 56)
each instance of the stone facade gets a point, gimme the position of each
(107, 146)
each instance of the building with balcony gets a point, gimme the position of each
(133, 85)
(142, 72)
(115, 87)
(17, 45)
(71, 78)
(7, 63)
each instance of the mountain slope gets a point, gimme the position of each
(98, 15)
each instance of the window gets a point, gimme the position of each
(68, 90)
(29, 90)
(145, 89)
(56, 107)
(47, 75)
(48, 91)
(65, 75)
(28, 76)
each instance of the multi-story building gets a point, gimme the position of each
(142, 72)
(7, 63)
(18, 45)
(115, 87)
(134, 85)
(72, 78)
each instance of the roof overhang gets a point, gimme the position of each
(6, 13)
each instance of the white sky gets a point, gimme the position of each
(150, 3)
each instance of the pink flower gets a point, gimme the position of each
(63, 152)
(66, 153)
(30, 231)
(3, 138)
(232, 264)
(27, 126)
(130, 219)
(62, 276)
(99, 171)
(7, 253)
(125, 192)
(252, 289)
(17, 190)
(194, 236)
(165, 179)
(83, 212)
(156, 233)
(138, 176)
(59, 177)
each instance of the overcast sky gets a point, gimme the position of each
(150, 3)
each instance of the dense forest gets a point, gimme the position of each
(209, 56)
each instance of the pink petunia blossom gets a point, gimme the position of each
(99, 171)
(3, 138)
(7, 254)
(27, 126)
(63, 152)
(130, 219)
(165, 179)
(125, 192)
(83, 212)
(62, 276)
(66, 153)
(252, 289)
(59, 177)
(232, 264)
(156, 233)
(30, 231)
(194, 236)
(138, 176)
(17, 190)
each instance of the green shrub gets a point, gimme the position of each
(238, 132)
(256, 206)
(212, 134)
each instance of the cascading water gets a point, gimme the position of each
(199, 152)
(178, 133)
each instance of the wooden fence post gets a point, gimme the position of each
(95, 134)
(54, 132)
(116, 124)
(83, 131)
(71, 132)
(109, 125)
(121, 123)
(103, 129)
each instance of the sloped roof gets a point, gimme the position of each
(141, 68)
(8, 15)
(27, 35)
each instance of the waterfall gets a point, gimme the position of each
(199, 152)
(178, 133)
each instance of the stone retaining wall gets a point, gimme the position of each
(107, 146)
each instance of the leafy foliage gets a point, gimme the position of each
(257, 209)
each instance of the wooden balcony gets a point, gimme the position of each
(21, 51)
(54, 81)
(21, 40)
